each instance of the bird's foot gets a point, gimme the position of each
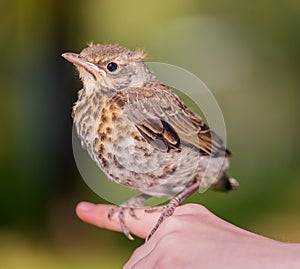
(121, 210)
(155, 209)
(129, 205)
(166, 211)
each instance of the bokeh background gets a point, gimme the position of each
(246, 52)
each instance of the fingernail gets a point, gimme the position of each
(85, 206)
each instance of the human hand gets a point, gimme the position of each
(194, 238)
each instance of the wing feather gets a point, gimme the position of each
(159, 115)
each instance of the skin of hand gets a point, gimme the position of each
(194, 238)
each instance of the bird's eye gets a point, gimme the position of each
(111, 67)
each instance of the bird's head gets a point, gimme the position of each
(110, 67)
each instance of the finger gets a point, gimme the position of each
(192, 209)
(97, 215)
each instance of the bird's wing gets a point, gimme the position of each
(165, 122)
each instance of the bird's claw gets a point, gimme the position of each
(121, 209)
(166, 211)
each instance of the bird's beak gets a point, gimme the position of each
(78, 60)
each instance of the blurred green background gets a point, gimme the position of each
(246, 52)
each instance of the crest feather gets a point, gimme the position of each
(141, 53)
(90, 43)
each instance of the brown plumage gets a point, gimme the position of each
(140, 133)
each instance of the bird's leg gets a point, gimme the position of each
(168, 210)
(131, 204)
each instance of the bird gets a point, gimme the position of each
(141, 134)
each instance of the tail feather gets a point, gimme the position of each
(226, 183)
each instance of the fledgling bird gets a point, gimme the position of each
(141, 134)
